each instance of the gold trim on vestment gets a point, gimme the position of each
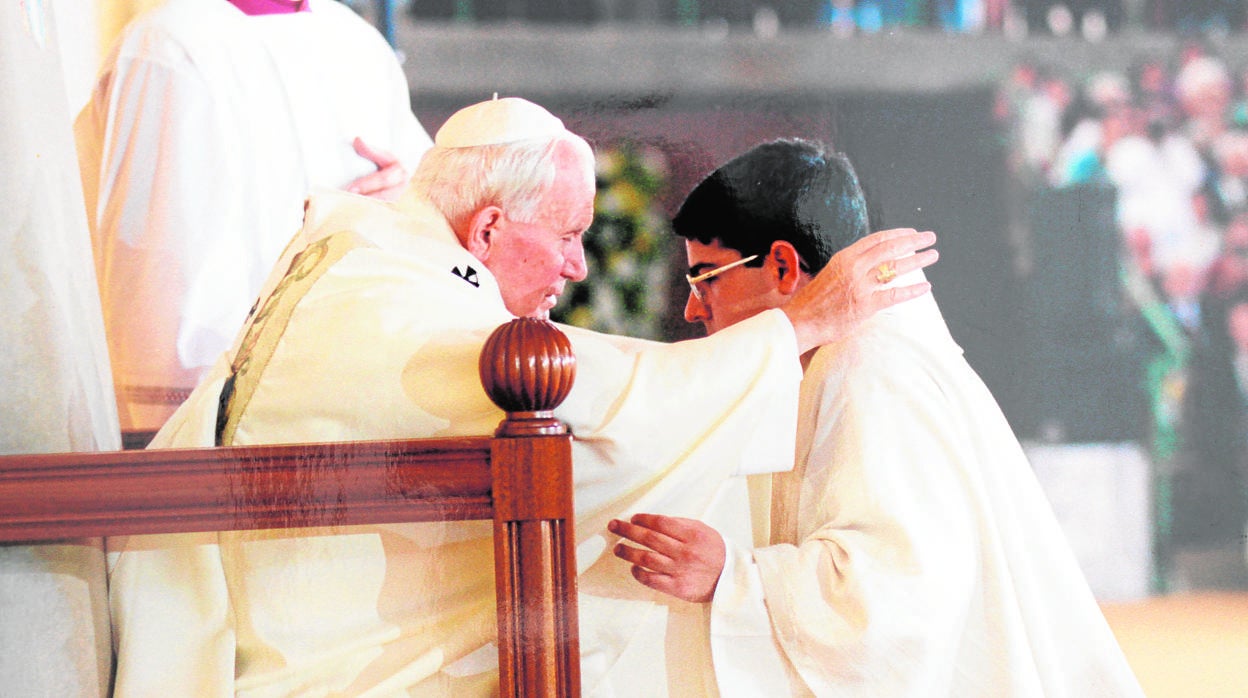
(267, 325)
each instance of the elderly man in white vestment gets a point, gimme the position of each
(912, 551)
(370, 328)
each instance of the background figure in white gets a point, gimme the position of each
(1204, 90)
(1158, 173)
(207, 128)
(55, 388)
(1041, 128)
(1102, 107)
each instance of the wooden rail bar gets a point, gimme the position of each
(74, 495)
(521, 478)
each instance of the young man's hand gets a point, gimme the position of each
(684, 557)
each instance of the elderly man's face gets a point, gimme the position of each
(536, 260)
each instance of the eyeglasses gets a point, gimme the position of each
(695, 280)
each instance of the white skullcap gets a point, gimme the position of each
(497, 122)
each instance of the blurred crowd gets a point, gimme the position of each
(1170, 136)
(1093, 19)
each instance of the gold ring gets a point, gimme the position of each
(885, 273)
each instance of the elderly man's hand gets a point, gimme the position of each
(684, 559)
(852, 287)
(390, 179)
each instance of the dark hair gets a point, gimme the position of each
(791, 190)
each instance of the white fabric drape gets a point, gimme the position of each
(205, 132)
(914, 553)
(55, 387)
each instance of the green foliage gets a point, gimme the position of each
(626, 248)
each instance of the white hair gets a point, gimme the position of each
(512, 176)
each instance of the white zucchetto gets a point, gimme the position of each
(497, 122)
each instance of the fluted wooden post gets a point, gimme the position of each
(527, 368)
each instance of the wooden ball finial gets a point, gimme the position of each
(527, 368)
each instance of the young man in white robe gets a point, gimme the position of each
(912, 551)
(370, 328)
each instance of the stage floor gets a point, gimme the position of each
(1186, 645)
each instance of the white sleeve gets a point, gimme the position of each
(405, 138)
(411, 138)
(725, 404)
(748, 659)
(163, 174)
(872, 596)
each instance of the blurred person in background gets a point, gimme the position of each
(1096, 118)
(1032, 107)
(1153, 93)
(1090, 18)
(1183, 273)
(1204, 90)
(210, 123)
(1211, 498)
(1228, 273)
(1227, 182)
(1158, 174)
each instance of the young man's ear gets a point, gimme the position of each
(479, 233)
(787, 264)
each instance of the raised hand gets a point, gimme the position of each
(390, 179)
(855, 285)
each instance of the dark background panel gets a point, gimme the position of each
(1083, 342)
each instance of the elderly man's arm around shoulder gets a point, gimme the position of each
(854, 285)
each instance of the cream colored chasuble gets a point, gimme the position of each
(384, 344)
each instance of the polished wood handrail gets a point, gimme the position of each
(521, 478)
(71, 495)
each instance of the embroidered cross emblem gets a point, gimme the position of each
(470, 275)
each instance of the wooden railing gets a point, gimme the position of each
(521, 478)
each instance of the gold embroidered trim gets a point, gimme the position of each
(267, 325)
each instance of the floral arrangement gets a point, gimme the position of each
(627, 248)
